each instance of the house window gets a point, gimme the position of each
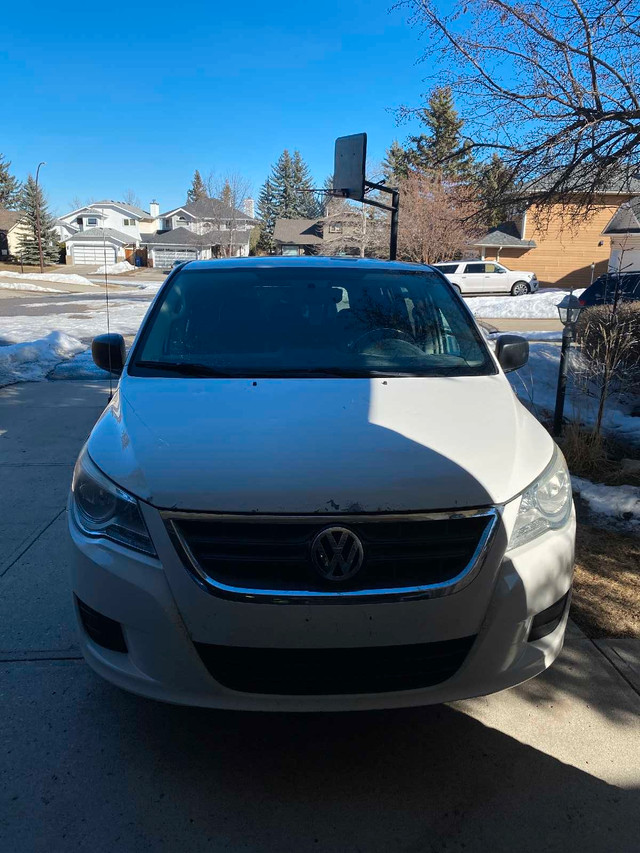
(290, 250)
(92, 220)
(335, 228)
(129, 222)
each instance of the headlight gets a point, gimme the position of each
(102, 509)
(545, 505)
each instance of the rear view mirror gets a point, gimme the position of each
(109, 352)
(512, 351)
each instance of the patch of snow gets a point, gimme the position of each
(32, 361)
(80, 367)
(115, 269)
(67, 278)
(613, 506)
(542, 305)
(22, 285)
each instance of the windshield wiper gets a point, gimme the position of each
(186, 368)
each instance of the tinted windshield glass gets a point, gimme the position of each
(285, 321)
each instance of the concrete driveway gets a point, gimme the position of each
(549, 766)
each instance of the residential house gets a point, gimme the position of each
(624, 232)
(298, 236)
(548, 240)
(11, 228)
(105, 231)
(343, 230)
(200, 230)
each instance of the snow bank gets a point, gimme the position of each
(115, 269)
(67, 278)
(32, 361)
(22, 285)
(532, 336)
(542, 305)
(613, 506)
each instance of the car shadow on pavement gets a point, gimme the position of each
(430, 779)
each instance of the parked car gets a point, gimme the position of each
(612, 287)
(474, 276)
(281, 507)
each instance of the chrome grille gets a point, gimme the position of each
(257, 556)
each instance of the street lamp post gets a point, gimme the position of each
(569, 310)
(38, 234)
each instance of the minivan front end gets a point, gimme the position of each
(327, 541)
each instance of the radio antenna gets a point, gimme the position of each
(106, 294)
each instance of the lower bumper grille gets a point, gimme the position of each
(325, 672)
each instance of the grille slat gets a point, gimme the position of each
(274, 554)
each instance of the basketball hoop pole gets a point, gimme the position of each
(392, 208)
(349, 181)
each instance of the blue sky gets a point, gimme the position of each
(112, 100)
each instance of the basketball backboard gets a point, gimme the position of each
(349, 165)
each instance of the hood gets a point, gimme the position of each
(319, 445)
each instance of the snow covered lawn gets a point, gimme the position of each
(617, 507)
(536, 384)
(23, 285)
(541, 305)
(68, 278)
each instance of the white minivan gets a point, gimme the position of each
(478, 276)
(314, 489)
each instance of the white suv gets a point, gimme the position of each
(281, 509)
(488, 277)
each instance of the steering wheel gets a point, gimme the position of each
(380, 334)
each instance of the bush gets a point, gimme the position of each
(610, 347)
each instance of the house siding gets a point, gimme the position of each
(563, 255)
(625, 253)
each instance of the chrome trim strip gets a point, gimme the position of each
(276, 596)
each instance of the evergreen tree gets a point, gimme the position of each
(9, 186)
(267, 215)
(226, 196)
(286, 195)
(494, 183)
(303, 185)
(441, 149)
(396, 163)
(198, 190)
(32, 202)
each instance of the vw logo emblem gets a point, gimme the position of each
(337, 553)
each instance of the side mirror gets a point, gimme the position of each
(512, 351)
(109, 352)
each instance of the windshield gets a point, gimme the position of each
(272, 321)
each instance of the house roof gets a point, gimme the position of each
(185, 237)
(620, 181)
(91, 235)
(303, 232)
(210, 208)
(505, 235)
(133, 210)
(9, 218)
(175, 237)
(626, 219)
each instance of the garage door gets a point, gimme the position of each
(163, 258)
(93, 254)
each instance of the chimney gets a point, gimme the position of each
(154, 209)
(249, 207)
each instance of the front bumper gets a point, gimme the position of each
(162, 661)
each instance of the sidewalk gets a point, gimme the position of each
(551, 765)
